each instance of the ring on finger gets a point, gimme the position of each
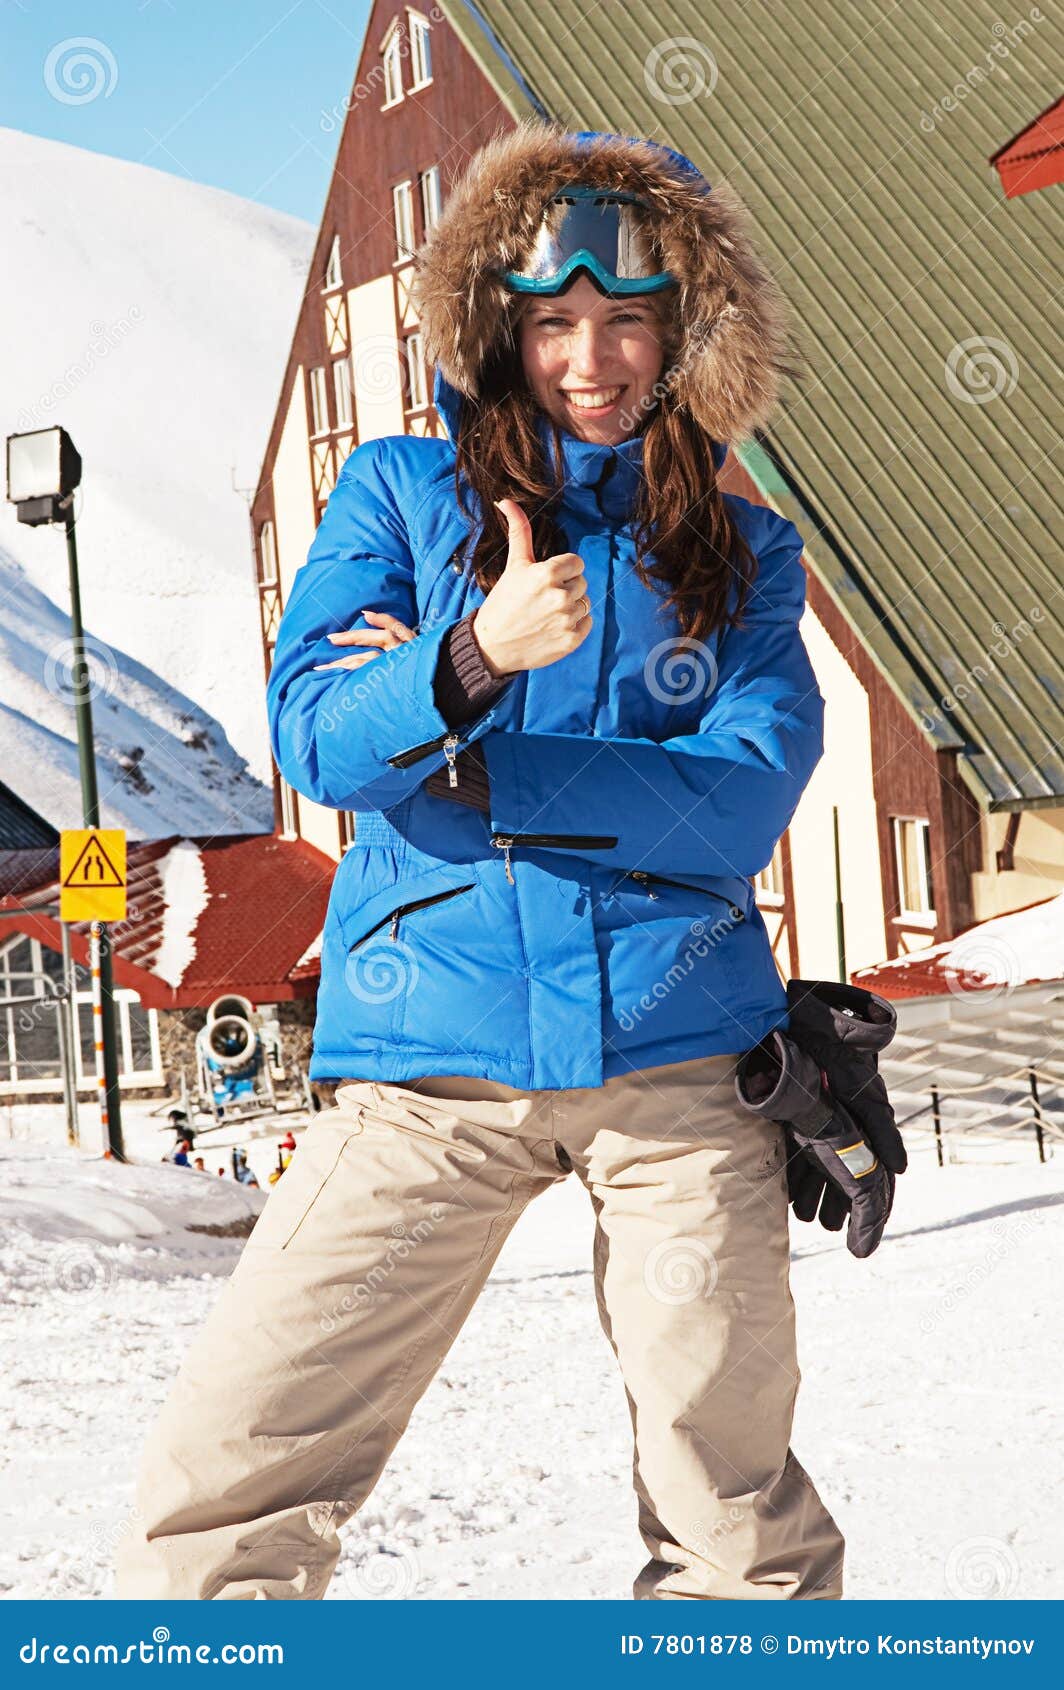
(586, 602)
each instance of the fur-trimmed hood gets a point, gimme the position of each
(733, 329)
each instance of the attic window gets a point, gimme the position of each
(333, 278)
(420, 51)
(392, 62)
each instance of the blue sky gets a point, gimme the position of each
(242, 94)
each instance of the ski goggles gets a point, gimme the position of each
(596, 230)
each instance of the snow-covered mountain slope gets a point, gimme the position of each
(151, 317)
(161, 761)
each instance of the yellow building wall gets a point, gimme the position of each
(1039, 863)
(843, 777)
(375, 359)
(293, 506)
(293, 496)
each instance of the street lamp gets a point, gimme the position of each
(43, 473)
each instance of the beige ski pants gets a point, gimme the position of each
(297, 1389)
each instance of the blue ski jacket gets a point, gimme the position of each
(603, 918)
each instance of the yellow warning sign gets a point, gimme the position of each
(92, 874)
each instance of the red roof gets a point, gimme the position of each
(204, 916)
(1035, 157)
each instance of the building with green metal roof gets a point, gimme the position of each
(900, 162)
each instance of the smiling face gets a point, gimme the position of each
(592, 361)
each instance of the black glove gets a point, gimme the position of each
(820, 1080)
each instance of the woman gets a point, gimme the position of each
(569, 744)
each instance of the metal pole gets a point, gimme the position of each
(111, 1108)
(68, 1020)
(840, 915)
(1037, 1107)
(937, 1113)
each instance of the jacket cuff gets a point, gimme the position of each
(463, 684)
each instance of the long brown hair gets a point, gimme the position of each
(680, 515)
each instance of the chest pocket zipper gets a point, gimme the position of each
(649, 881)
(391, 922)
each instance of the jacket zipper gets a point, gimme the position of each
(392, 921)
(447, 743)
(651, 880)
(575, 841)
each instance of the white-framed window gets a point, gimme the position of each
(392, 62)
(768, 881)
(416, 383)
(333, 277)
(138, 1038)
(912, 856)
(403, 212)
(319, 404)
(347, 829)
(289, 810)
(431, 199)
(342, 392)
(267, 554)
(420, 50)
(29, 1032)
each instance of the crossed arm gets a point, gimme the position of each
(715, 800)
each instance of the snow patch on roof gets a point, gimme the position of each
(185, 897)
(1016, 949)
(312, 952)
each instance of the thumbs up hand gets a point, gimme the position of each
(537, 611)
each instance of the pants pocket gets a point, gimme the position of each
(293, 1198)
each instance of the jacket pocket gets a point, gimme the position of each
(406, 896)
(394, 919)
(730, 895)
(385, 977)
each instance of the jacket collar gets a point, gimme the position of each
(614, 470)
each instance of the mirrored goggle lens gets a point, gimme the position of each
(603, 226)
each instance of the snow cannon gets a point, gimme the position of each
(230, 1049)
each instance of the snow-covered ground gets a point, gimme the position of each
(931, 1413)
(154, 319)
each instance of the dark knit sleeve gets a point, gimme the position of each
(472, 783)
(463, 685)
